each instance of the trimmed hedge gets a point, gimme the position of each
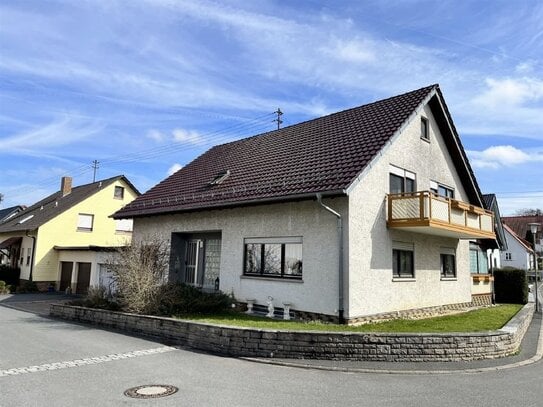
(10, 274)
(511, 286)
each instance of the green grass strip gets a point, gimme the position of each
(484, 319)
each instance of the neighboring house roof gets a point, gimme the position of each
(6, 213)
(46, 209)
(520, 224)
(323, 155)
(491, 203)
(522, 241)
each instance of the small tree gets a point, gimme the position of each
(138, 271)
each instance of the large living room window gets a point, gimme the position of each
(403, 260)
(273, 257)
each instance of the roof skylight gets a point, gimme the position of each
(220, 177)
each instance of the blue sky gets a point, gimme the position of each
(146, 86)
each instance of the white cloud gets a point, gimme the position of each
(502, 156)
(66, 130)
(188, 137)
(509, 92)
(174, 168)
(155, 135)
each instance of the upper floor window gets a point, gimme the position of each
(119, 192)
(85, 222)
(424, 129)
(401, 180)
(441, 190)
(273, 257)
(508, 256)
(123, 225)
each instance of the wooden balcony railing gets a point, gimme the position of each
(426, 212)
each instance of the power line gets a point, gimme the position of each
(207, 139)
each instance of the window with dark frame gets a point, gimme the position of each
(441, 190)
(273, 259)
(403, 263)
(118, 193)
(400, 185)
(448, 265)
(424, 130)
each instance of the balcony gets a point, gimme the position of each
(426, 212)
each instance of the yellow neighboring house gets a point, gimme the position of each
(64, 240)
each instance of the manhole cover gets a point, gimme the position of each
(151, 391)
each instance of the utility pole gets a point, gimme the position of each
(279, 113)
(95, 167)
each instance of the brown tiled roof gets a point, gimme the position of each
(519, 224)
(321, 155)
(50, 207)
(522, 241)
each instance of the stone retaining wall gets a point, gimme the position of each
(311, 345)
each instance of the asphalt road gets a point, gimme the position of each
(46, 362)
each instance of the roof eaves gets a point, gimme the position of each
(226, 205)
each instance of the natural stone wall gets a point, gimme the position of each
(312, 345)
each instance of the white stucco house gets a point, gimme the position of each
(367, 211)
(519, 253)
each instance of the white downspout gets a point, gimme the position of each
(340, 259)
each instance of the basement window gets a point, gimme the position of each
(220, 177)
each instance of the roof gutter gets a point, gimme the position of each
(341, 310)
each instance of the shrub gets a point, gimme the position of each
(4, 288)
(97, 297)
(139, 271)
(179, 298)
(9, 274)
(511, 286)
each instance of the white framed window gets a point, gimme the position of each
(124, 225)
(85, 222)
(279, 257)
(508, 256)
(401, 181)
(403, 260)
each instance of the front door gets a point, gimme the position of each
(83, 278)
(65, 275)
(193, 260)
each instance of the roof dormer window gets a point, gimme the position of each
(220, 177)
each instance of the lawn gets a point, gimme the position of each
(484, 319)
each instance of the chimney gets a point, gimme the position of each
(66, 185)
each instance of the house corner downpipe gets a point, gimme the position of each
(341, 310)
